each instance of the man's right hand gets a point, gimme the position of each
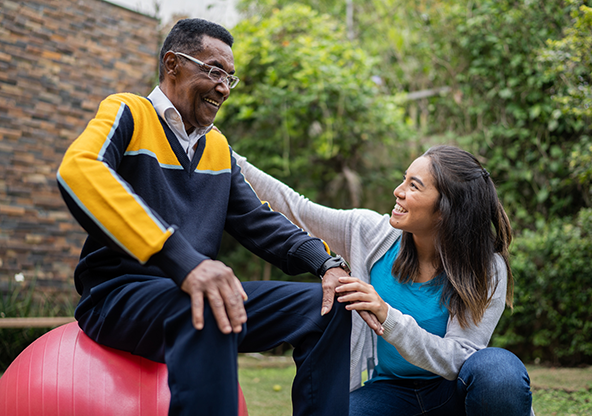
(213, 280)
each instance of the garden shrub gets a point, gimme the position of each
(552, 317)
(20, 300)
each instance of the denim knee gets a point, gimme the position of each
(495, 383)
(494, 368)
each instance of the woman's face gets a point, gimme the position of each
(415, 210)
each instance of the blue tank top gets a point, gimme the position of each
(419, 300)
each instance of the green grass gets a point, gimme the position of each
(559, 403)
(561, 391)
(556, 391)
(266, 382)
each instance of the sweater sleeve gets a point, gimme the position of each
(106, 205)
(446, 355)
(270, 234)
(332, 225)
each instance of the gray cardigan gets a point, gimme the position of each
(362, 237)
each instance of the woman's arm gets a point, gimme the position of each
(350, 233)
(440, 355)
(331, 225)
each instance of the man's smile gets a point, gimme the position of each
(210, 101)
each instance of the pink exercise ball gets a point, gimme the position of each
(65, 373)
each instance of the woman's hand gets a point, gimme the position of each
(361, 296)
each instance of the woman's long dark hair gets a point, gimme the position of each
(473, 227)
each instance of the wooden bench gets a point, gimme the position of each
(42, 322)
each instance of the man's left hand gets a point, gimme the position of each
(330, 283)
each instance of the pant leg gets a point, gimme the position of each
(291, 312)
(383, 399)
(495, 383)
(151, 317)
(492, 382)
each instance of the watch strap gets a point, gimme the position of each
(333, 262)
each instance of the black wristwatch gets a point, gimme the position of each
(333, 262)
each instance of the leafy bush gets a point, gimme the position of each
(552, 318)
(569, 62)
(309, 109)
(23, 300)
(504, 108)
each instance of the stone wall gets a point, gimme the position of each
(58, 60)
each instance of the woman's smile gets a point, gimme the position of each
(399, 210)
(415, 210)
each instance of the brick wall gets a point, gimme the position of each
(58, 60)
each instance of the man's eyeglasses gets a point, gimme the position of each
(215, 74)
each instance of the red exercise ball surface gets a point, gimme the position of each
(65, 373)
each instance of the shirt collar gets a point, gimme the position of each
(165, 109)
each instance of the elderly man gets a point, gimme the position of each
(154, 186)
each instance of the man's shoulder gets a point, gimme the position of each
(217, 155)
(216, 136)
(130, 99)
(139, 108)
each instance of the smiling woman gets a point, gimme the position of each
(416, 210)
(435, 274)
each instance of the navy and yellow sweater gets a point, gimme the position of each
(149, 210)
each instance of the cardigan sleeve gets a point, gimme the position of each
(332, 225)
(446, 355)
(270, 234)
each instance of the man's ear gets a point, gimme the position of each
(171, 64)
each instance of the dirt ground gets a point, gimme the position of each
(567, 379)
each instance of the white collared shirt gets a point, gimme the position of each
(170, 114)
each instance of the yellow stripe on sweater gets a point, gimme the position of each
(216, 155)
(148, 132)
(103, 195)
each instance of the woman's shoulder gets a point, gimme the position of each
(499, 267)
(371, 221)
(372, 229)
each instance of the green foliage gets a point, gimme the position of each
(507, 80)
(307, 110)
(266, 8)
(22, 300)
(570, 61)
(514, 87)
(502, 107)
(552, 318)
(581, 166)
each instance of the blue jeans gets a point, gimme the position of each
(492, 382)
